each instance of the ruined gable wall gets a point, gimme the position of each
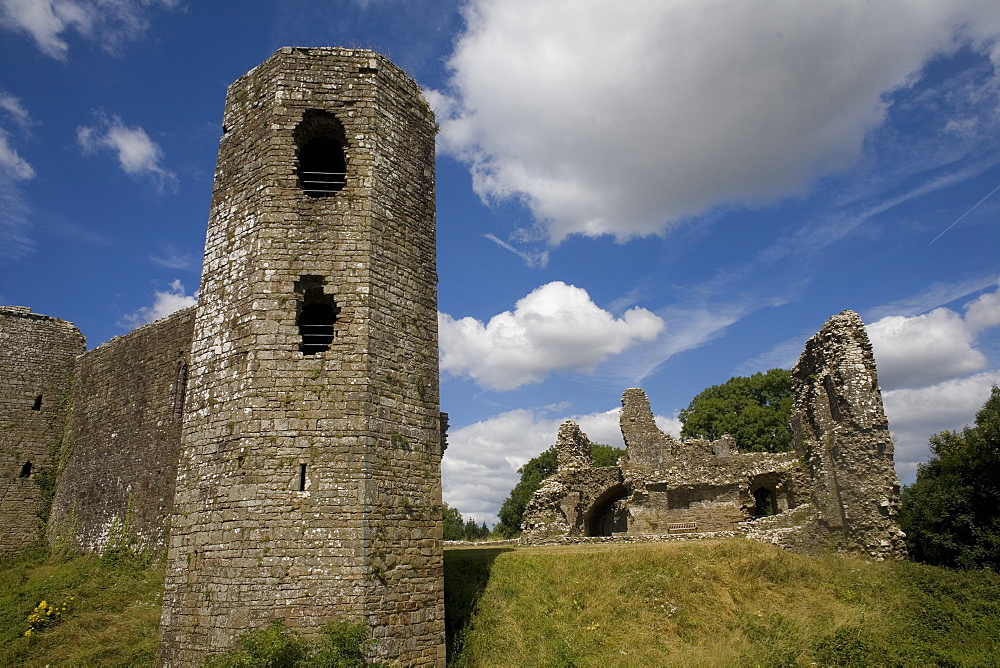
(37, 354)
(841, 433)
(124, 438)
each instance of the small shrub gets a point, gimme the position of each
(342, 644)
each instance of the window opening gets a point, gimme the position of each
(302, 477)
(765, 503)
(322, 163)
(38, 403)
(25, 470)
(180, 388)
(317, 313)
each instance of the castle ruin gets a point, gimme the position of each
(837, 489)
(282, 439)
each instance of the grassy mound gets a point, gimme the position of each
(730, 602)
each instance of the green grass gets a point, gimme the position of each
(111, 617)
(703, 603)
(715, 603)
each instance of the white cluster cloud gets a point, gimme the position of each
(165, 302)
(623, 122)
(557, 327)
(480, 465)
(933, 375)
(138, 155)
(111, 22)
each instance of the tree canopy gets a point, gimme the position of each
(457, 528)
(533, 473)
(754, 410)
(951, 514)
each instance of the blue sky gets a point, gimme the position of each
(664, 195)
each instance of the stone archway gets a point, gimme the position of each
(606, 516)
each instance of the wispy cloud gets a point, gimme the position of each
(15, 212)
(111, 23)
(138, 155)
(536, 259)
(172, 258)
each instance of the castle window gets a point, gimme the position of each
(38, 403)
(302, 477)
(317, 313)
(180, 388)
(25, 470)
(322, 163)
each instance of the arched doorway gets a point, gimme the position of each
(606, 516)
(765, 502)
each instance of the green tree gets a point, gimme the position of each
(454, 525)
(754, 410)
(951, 514)
(532, 474)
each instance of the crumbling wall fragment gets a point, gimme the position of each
(648, 447)
(842, 436)
(572, 448)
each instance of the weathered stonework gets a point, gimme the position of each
(839, 488)
(308, 485)
(123, 439)
(37, 354)
(841, 434)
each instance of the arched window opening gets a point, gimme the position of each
(25, 470)
(322, 162)
(317, 313)
(765, 502)
(37, 406)
(608, 515)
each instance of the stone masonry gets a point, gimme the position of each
(123, 435)
(842, 436)
(838, 489)
(308, 484)
(37, 354)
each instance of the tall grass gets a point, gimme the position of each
(698, 603)
(109, 610)
(723, 603)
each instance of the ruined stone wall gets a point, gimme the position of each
(309, 478)
(841, 433)
(123, 439)
(37, 354)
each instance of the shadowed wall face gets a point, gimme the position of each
(308, 483)
(37, 354)
(125, 436)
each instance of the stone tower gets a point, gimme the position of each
(842, 436)
(37, 354)
(308, 486)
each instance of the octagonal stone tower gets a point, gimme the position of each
(309, 484)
